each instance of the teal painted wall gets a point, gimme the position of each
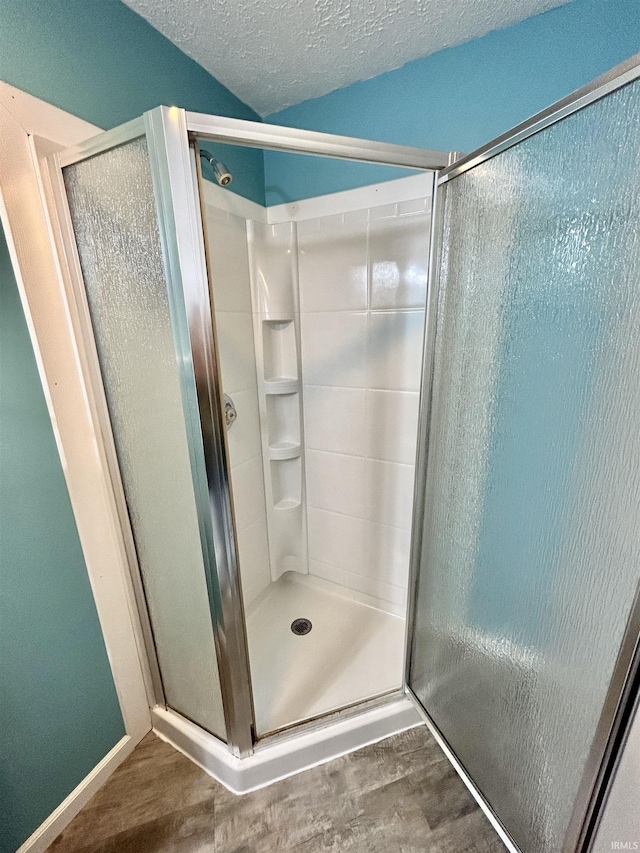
(245, 164)
(59, 713)
(462, 97)
(290, 177)
(99, 60)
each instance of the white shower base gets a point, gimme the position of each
(353, 652)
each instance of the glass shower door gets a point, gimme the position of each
(128, 208)
(113, 210)
(530, 554)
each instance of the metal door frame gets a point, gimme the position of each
(171, 135)
(624, 686)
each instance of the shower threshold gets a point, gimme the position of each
(290, 752)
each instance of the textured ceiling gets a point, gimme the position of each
(275, 53)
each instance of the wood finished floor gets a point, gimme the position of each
(397, 796)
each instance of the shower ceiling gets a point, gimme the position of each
(275, 53)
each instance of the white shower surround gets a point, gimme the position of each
(363, 280)
(361, 260)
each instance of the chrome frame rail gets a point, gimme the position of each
(424, 421)
(172, 165)
(624, 687)
(604, 755)
(274, 137)
(315, 724)
(102, 142)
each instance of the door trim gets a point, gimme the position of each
(30, 129)
(50, 319)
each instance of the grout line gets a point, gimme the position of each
(248, 459)
(363, 390)
(357, 575)
(257, 455)
(239, 390)
(366, 420)
(252, 390)
(353, 311)
(261, 517)
(367, 458)
(357, 518)
(369, 595)
(364, 456)
(416, 309)
(360, 388)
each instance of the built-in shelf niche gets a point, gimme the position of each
(283, 425)
(280, 357)
(286, 483)
(276, 324)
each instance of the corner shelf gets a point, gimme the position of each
(282, 385)
(279, 348)
(284, 450)
(286, 481)
(286, 504)
(276, 330)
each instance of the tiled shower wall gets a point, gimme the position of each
(229, 262)
(362, 299)
(362, 287)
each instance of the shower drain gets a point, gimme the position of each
(301, 627)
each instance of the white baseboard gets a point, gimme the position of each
(285, 755)
(48, 831)
(275, 760)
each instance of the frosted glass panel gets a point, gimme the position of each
(114, 218)
(531, 549)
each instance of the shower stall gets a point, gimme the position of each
(374, 450)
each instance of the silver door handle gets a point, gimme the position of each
(230, 412)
